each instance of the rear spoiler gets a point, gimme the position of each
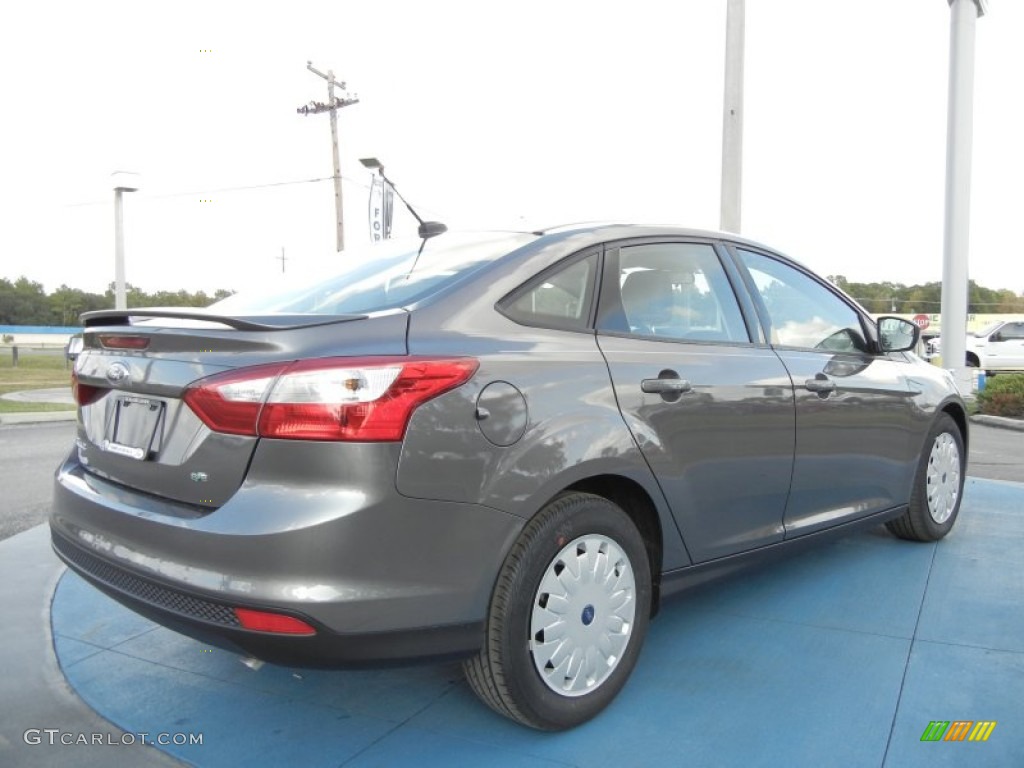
(271, 322)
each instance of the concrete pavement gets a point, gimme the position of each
(61, 396)
(842, 656)
(34, 694)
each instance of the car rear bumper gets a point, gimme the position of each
(378, 575)
(214, 623)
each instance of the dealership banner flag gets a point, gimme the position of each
(381, 207)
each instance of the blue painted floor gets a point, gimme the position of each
(839, 657)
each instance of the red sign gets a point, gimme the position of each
(921, 321)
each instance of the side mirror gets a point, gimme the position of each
(997, 336)
(897, 335)
(74, 347)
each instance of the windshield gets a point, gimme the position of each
(380, 277)
(988, 329)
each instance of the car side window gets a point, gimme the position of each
(673, 291)
(559, 299)
(802, 311)
(1012, 332)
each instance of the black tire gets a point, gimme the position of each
(938, 485)
(505, 674)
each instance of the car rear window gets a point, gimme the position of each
(379, 277)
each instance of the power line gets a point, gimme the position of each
(143, 197)
(244, 188)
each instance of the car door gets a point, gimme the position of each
(711, 410)
(855, 448)
(1005, 347)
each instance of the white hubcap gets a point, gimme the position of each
(583, 615)
(943, 478)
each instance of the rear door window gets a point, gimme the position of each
(671, 291)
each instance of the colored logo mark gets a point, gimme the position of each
(958, 730)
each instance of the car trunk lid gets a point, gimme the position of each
(135, 427)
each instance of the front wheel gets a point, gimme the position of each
(568, 615)
(938, 485)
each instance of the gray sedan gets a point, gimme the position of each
(507, 448)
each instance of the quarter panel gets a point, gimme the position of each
(573, 430)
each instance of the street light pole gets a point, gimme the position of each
(123, 182)
(959, 139)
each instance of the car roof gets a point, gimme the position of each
(618, 230)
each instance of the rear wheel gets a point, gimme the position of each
(568, 615)
(938, 485)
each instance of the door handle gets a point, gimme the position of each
(821, 384)
(665, 386)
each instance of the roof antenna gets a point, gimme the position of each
(427, 229)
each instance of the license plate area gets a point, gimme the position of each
(134, 427)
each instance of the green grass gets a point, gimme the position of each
(36, 370)
(9, 406)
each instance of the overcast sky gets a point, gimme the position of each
(491, 114)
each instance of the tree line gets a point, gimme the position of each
(887, 298)
(24, 302)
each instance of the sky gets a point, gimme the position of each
(492, 115)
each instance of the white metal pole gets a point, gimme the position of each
(956, 236)
(120, 297)
(732, 118)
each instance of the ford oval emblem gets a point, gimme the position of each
(117, 371)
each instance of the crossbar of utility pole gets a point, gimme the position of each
(333, 104)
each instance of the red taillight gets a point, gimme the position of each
(351, 399)
(85, 394)
(231, 402)
(123, 342)
(272, 622)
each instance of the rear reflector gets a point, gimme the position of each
(261, 621)
(368, 399)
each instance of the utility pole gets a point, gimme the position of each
(732, 118)
(282, 258)
(334, 103)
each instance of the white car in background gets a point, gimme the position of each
(997, 347)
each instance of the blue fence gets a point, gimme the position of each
(62, 330)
